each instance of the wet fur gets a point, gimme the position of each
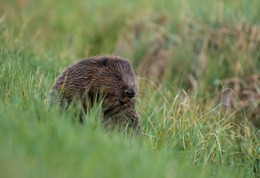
(105, 77)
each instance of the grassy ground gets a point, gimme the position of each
(186, 134)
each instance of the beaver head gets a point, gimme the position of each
(115, 82)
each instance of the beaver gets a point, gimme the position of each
(110, 78)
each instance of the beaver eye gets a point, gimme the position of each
(119, 78)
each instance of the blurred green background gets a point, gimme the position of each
(184, 53)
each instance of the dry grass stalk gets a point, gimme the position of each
(243, 95)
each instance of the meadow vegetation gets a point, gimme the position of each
(186, 55)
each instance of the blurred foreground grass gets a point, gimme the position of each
(180, 50)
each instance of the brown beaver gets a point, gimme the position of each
(108, 77)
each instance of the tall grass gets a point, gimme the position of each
(185, 133)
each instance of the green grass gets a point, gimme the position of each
(184, 133)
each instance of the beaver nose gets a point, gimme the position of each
(130, 93)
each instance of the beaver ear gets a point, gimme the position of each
(104, 62)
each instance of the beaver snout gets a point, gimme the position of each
(130, 93)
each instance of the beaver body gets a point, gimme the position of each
(108, 77)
